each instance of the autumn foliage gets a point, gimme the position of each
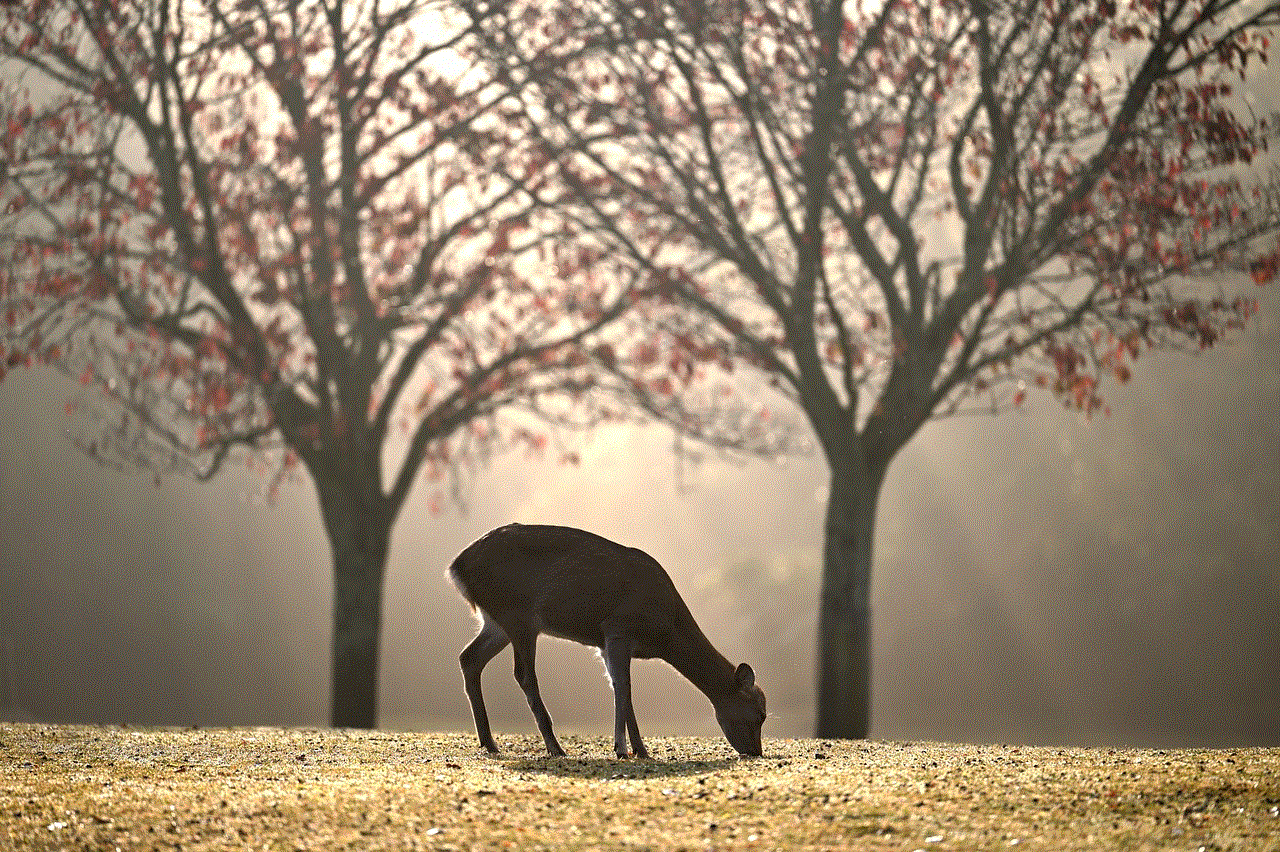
(1007, 194)
(211, 209)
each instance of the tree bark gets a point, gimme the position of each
(359, 536)
(844, 622)
(357, 622)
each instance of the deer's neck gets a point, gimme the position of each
(693, 655)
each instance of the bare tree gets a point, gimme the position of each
(899, 211)
(273, 226)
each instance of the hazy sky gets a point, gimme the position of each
(1039, 577)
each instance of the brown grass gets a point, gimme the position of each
(106, 788)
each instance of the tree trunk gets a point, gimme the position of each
(359, 536)
(844, 622)
(357, 622)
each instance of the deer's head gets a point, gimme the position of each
(742, 712)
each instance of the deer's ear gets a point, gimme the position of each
(744, 676)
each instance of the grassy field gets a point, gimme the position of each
(107, 788)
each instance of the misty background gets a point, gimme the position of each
(1039, 578)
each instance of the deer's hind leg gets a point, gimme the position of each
(488, 642)
(524, 643)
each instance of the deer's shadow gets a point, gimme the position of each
(614, 769)
(590, 758)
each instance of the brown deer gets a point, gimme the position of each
(565, 582)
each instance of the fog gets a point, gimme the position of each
(1040, 578)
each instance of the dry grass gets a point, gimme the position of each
(106, 788)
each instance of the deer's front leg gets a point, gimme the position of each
(617, 660)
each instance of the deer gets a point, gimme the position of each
(523, 581)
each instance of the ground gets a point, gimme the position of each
(108, 788)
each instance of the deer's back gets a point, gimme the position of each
(568, 582)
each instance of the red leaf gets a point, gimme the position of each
(1264, 269)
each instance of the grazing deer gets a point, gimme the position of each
(565, 582)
